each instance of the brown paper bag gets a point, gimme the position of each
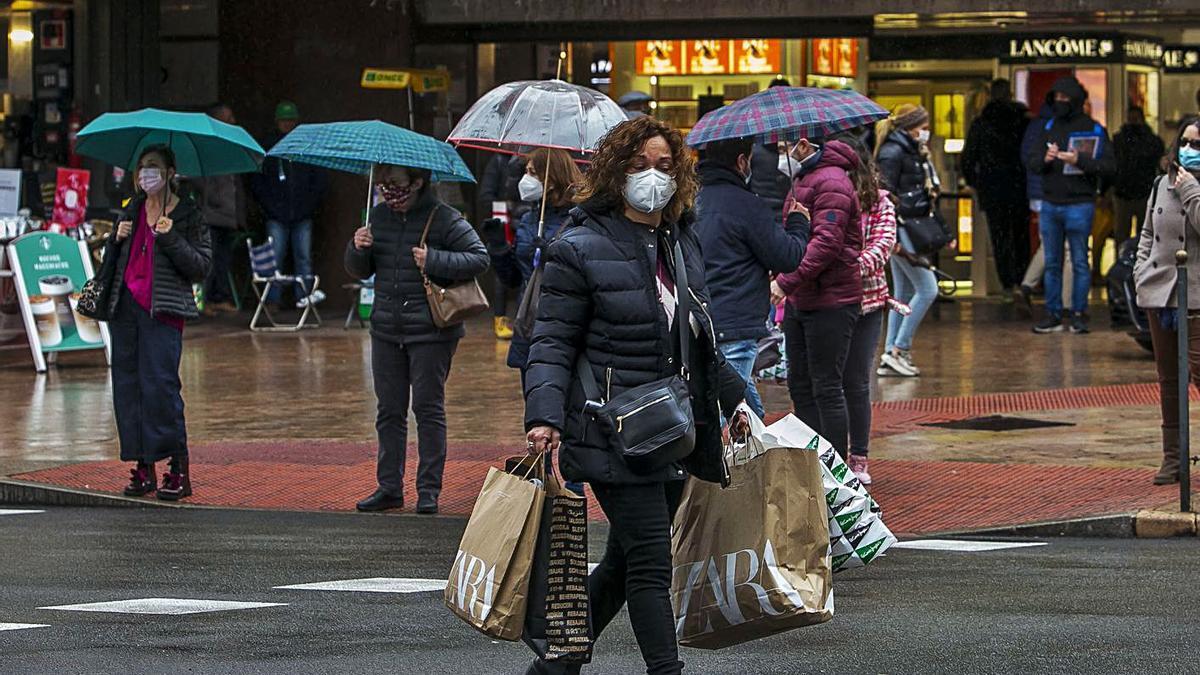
(489, 582)
(752, 560)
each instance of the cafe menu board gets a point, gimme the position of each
(50, 269)
(835, 57)
(709, 57)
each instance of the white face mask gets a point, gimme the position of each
(788, 166)
(530, 188)
(649, 191)
(923, 136)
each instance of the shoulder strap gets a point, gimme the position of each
(1049, 124)
(1153, 199)
(428, 223)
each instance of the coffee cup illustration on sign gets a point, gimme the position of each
(45, 317)
(59, 287)
(86, 327)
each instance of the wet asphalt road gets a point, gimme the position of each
(1072, 606)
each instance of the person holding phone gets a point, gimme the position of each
(162, 247)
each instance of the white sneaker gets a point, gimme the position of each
(906, 354)
(898, 364)
(316, 298)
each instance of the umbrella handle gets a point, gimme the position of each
(370, 194)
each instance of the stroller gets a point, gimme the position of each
(1122, 296)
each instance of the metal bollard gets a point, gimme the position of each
(1185, 453)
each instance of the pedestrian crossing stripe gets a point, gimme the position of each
(963, 546)
(19, 512)
(372, 585)
(21, 626)
(165, 606)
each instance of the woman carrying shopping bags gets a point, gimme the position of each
(1172, 222)
(905, 170)
(609, 318)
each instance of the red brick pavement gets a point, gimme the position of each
(917, 497)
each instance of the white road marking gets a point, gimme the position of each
(373, 585)
(170, 606)
(18, 512)
(21, 626)
(964, 546)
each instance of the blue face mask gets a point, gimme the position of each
(1189, 158)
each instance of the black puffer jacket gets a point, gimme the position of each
(766, 180)
(903, 173)
(182, 257)
(599, 299)
(401, 311)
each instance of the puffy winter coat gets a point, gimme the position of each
(902, 172)
(829, 274)
(766, 180)
(742, 245)
(600, 302)
(182, 257)
(523, 252)
(455, 253)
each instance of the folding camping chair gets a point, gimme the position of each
(264, 274)
(355, 289)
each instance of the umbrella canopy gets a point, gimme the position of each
(519, 116)
(203, 146)
(357, 146)
(787, 114)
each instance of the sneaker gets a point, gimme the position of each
(898, 364)
(315, 298)
(906, 355)
(1051, 324)
(1079, 325)
(503, 330)
(858, 464)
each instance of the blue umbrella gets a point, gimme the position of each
(203, 146)
(358, 146)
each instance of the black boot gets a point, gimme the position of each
(381, 501)
(141, 480)
(427, 503)
(177, 484)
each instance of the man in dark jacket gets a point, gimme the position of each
(289, 193)
(991, 163)
(1075, 155)
(222, 206)
(1138, 150)
(410, 356)
(742, 245)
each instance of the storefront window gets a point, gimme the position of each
(1095, 80)
(1142, 91)
(948, 113)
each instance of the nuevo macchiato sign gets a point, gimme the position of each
(50, 269)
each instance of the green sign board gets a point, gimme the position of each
(50, 269)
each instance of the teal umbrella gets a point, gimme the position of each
(203, 146)
(357, 147)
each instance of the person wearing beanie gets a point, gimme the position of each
(289, 194)
(902, 154)
(1073, 155)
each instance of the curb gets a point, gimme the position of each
(1118, 526)
(40, 494)
(1162, 524)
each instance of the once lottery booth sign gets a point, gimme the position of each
(50, 269)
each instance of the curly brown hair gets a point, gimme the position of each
(605, 181)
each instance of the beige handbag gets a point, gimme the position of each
(451, 305)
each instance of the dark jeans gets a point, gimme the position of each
(636, 568)
(1008, 225)
(413, 373)
(817, 344)
(856, 379)
(217, 286)
(146, 388)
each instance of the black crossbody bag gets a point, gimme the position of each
(651, 425)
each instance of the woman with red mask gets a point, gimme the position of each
(410, 356)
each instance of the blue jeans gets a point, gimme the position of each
(1072, 222)
(296, 237)
(915, 287)
(741, 355)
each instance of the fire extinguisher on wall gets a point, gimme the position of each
(74, 124)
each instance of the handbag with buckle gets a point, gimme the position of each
(451, 305)
(651, 425)
(96, 292)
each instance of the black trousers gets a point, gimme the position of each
(217, 288)
(147, 398)
(416, 374)
(1008, 225)
(636, 568)
(856, 378)
(817, 343)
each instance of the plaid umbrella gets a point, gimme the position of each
(519, 116)
(787, 114)
(355, 147)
